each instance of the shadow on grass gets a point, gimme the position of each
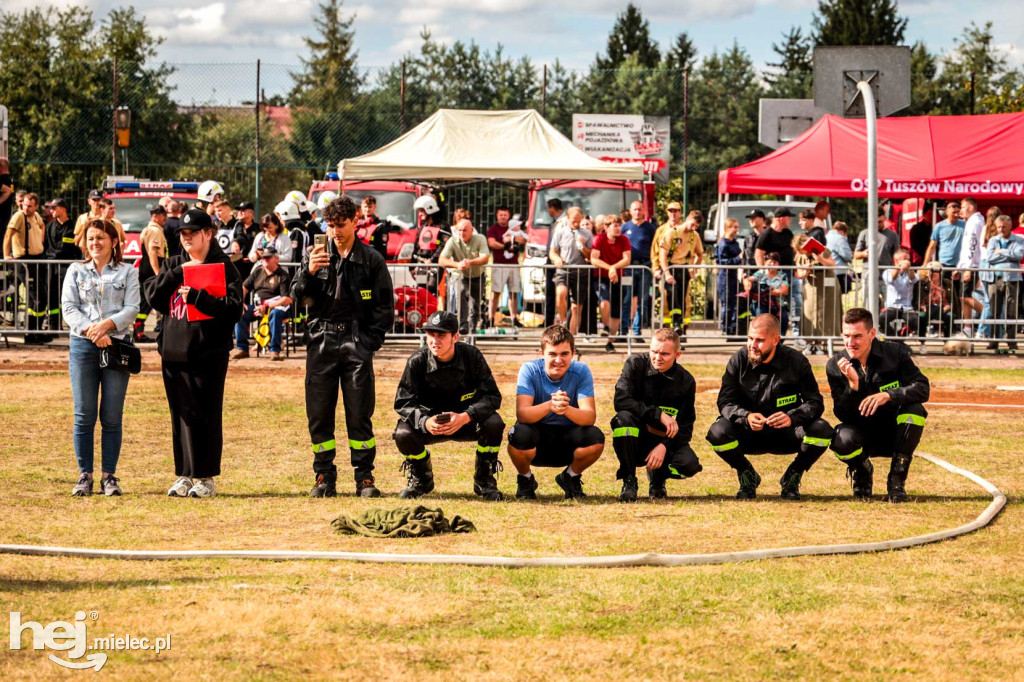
(79, 585)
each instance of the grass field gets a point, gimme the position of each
(946, 611)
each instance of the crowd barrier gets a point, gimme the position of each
(709, 302)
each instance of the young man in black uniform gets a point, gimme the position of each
(769, 402)
(878, 393)
(351, 307)
(370, 229)
(60, 245)
(447, 392)
(654, 415)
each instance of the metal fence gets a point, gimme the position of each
(709, 304)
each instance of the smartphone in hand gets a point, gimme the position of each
(443, 418)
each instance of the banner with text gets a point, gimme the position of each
(625, 139)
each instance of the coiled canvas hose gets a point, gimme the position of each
(990, 512)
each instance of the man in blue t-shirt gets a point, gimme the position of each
(636, 300)
(947, 237)
(555, 415)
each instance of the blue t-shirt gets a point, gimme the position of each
(577, 382)
(640, 238)
(950, 237)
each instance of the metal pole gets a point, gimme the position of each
(113, 128)
(686, 139)
(544, 93)
(872, 222)
(257, 193)
(972, 93)
(401, 94)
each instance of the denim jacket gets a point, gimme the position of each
(89, 296)
(1012, 250)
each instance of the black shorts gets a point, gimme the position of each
(610, 291)
(555, 444)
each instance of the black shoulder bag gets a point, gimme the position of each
(122, 356)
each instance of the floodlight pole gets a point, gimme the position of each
(872, 223)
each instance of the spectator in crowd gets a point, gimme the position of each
(900, 317)
(572, 245)
(936, 306)
(947, 236)
(778, 239)
(821, 214)
(838, 243)
(985, 276)
(208, 194)
(728, 252)
(1020, 225)
(108, 212)
(506, 241)
(599, 223)
(674, 211)
(888, 241)
(610, 255)
(246, 228)
(768, 290)
(681, 247)
(654, 415)
(756, 220)
(769, 402)
(351, 308)
(589, 316)
(878, 395)
(1004, 253)
(175, 209)
(822, 306)
(466, 255)
(969, 260)
(223, 216)
(154, 251)
(447, 392)
(6, 196)
(60, 246)
(431, 236)
(300, 239)
(24, 240)
(270, 287)
(810, 227)
(272, 232)
(100, 299)
(555, 415)
(370, 229)
(95, 211)
(640, 233)
(556, 211)
(194, 353)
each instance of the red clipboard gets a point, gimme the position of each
(208, 277)
(813, 246)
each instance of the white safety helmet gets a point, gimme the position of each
(209, 190)
(428, 204)
(287, 210)
(324, 199)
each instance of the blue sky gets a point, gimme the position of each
(241, 31)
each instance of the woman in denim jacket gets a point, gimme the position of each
(100, 300)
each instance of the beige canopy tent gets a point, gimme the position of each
(467, 145)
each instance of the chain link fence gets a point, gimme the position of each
(200, 121)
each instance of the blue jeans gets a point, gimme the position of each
(277, 317)
(95, 389)
(643, 279)
(728, 288)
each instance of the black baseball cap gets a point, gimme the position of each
(269, 250)
(54, 203)
(156, 209)
(783, 213)
(245, 206)
(442, 321)
(95, 194)
(756, 213)
(195, 219)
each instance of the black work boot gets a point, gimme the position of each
(790, 482)
(485, 478)
(657, 490)
(526, 487)
(571, 485)
(421, 477)
(630, 487)
(861, 479)
(898, 477)
(326, 485)
(749, 480)
(365, 487)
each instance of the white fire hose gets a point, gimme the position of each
(990, 512)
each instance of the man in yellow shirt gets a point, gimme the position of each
(22, 241)
(95, 197)
(680, 246)
(154, 250)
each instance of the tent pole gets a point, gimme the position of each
(872, 222)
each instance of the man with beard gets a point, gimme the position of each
(769, 403)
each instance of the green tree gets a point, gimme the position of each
(974, 57)
(792, 76)
(682, 55)
(858, 22)
(924, 89)
(330, 77)
(630, 36)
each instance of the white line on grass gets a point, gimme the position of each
(990, 512)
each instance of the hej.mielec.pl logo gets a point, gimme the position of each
(73, 638)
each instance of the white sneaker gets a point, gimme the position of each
(181, 487)
(203, 487)
(979, 335)
(924, 348)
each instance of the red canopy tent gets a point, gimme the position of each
(923, 156)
